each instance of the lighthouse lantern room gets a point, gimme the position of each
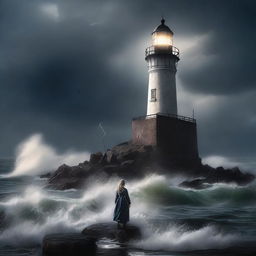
(162, 35)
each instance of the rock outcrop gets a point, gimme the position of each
(218, 175)
(131, 161)
(126, 160)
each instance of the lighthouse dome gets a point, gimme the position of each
(162, 28)
(162, 35)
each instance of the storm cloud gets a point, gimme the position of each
(66, 66)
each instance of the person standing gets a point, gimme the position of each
(123, 203)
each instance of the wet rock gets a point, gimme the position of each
(112, 252)
(219, 175)
(68, 244)
(195, 184)
(67, 177)
(96, 158)
(129, 151)
(127, 163)
(111, 157)
(63, 171)
(2, 219)
(111, 169)
(109, 230)
(46, 175)
(234, 175)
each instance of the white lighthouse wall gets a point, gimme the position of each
(162, 71)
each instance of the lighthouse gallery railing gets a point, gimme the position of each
(162, 50)
(184, 118)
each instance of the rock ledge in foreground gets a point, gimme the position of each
(109, 230)
(68, 244)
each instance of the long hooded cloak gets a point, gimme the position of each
(121, 213)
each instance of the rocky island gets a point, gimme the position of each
(131, 161)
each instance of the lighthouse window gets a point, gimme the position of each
(153, 94)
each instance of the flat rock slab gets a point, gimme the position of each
(112, 252)
(109, 230)
(68, 244)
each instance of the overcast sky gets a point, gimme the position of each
(67, 65)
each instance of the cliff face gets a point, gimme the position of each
(131, 161)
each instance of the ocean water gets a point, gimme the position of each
(174, 220)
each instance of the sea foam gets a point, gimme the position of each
(35, 157)
(37, 211)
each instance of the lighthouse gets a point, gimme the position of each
(173, 136)
(162, 58)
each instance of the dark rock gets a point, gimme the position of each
(111, 157)
(46, 175)
(109, 230)
(129, 151)
(113, 252)
(68, 244)
(67, 177)
(95, 158)
(2, 219)
(219, 169)
(234, 175)
(111, 169)
(127, 163)
(83, 165)
(63, 171)
(219, 175)
(6, 220)
(195, 184)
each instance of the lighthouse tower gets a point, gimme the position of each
(162, 58)
(172, 135)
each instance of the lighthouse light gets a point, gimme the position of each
(162, 39)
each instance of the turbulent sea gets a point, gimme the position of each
(174, 221)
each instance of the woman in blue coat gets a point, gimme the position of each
(122, 201)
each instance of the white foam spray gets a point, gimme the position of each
(178, 239)
(34, 157)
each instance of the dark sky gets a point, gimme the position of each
(66, 65)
